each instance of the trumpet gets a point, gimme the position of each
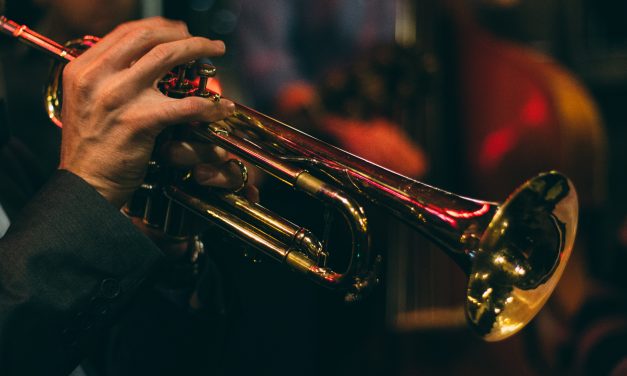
(513, 253)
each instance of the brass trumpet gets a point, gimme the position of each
(514, 253)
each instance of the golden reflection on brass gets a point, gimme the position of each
(513, 253)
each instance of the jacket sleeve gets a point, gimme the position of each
(68, 264)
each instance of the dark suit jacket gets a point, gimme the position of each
(68, 264)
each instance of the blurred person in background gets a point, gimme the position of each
(286, 48)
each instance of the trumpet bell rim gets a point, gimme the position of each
(522, 255)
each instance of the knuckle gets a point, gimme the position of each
(124, 28)
(69, 72)
(145, 24)
(156, 21)
(182, 28)
(78, 78)
(159, 20)
(141, 34)
(164, 22)
(111, 98)
(178, 28)
(162, 52)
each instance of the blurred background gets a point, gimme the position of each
(471, 96)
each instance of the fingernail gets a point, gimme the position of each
(220, 44)
(230, 106)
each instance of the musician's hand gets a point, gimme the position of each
(113, 111)
(212, 167)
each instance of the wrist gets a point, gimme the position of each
(114, 196)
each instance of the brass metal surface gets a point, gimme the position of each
(513, 253)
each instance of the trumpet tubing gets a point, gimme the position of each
(514, 253)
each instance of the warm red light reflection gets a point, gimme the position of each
(468, 214)
(408, 199)
(496, 145)
(213, 84)
(535, 110)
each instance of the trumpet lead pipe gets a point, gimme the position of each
(34, 39)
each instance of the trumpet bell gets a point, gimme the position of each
(521, 256)
(514, 253)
